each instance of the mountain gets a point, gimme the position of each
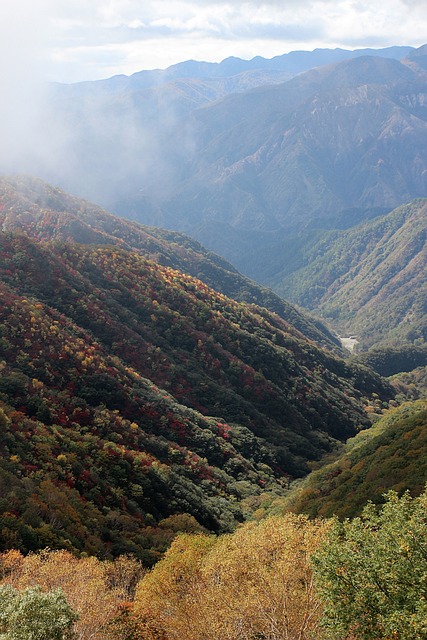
(248, 174)
(304, 153)
(187, 153)
(131, 394)
(48, 213)
(370, 280)
(259, 70)
(390, 455)
(252, 174)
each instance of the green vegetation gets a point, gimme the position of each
(410, 385)
(368, 281)
(32, 614)
(389, 361)
(156, 406)
(140, 410)
(372, 572)
(389, 455)
(131, 393)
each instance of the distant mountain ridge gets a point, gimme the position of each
(289, 63)
(255, 175)
(160, 151)
(292, 155)
(326, 149)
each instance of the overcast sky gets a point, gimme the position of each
(72, 40)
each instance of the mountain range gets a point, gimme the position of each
(238, 74)
(249, 174)
(146, 385)
(131, 393)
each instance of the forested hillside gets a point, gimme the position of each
(48, 213)
(390, 455)
(369, 280)
(147, 394)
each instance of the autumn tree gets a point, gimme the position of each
(260, 579)
(170, 600)
(254, 583)
(90, 586)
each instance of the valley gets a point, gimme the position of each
(202, 401)
(213, 369)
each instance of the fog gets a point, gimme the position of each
(114, 147)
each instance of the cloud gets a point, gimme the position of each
(22, 42)
(127, 35)
(82, 40)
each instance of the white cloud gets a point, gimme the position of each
(81, 40)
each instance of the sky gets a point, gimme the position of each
(76, 40)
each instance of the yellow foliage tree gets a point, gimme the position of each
(94, 589)
(255, 583)
(169, 598)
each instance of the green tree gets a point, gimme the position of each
(372, 572)
(35, 615)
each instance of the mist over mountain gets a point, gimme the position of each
(245, 173)
(135, 140)
(259, 175)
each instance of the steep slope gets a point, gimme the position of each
(328, 149)
(390, 455)
(247, 173)
(350, 136)
(47, 213)
(271, 157)
(371, 280)
(130, 393)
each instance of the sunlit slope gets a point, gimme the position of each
(370, 280)
(390, 455)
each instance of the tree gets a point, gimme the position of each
(259, 581)
(371, 572)
(254, 583)
(83, 581)
(170, 601)
(34, 615)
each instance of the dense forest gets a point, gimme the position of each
(45, 212)
(148, 394)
